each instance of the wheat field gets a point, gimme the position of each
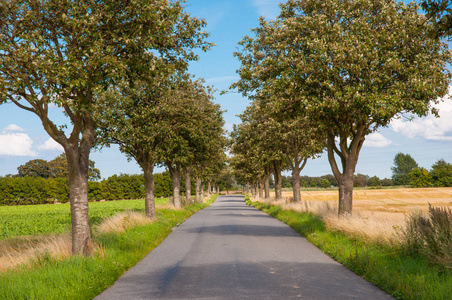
(378, 214)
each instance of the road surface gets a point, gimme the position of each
(232, 251)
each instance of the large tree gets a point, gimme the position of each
(58, 52)
(352, 65)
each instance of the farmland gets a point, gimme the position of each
(56, 218)
(378, 214)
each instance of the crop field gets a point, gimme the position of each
(56, 218)
(392, 204)
(378, 214)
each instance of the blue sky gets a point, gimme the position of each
(23, 138)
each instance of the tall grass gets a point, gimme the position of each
(74, 277)
(385, 265)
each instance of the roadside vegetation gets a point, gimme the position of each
(47, 270)
(409, 262)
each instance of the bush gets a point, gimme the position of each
(431, 236)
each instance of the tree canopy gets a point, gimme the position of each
(61, 51)
(350, 65)
(403, 165)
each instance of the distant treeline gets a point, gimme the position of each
(327, 181)
(38, 190)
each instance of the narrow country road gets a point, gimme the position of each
(232, 251)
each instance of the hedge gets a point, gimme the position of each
(37, 190)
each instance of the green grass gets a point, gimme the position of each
(56, 218)
(85, 277)
(402, 276)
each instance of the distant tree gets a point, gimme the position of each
(386, 182)
(374, 181)
(324, 183)
(439, 12)
(286, 181)
(55, 168)
(360, 180)
(35, 168)
(403, 164)
(330, 178)
(59, 168)
(441, 173)
(419, 177)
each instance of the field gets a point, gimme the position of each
(26, 232)
(378, 214)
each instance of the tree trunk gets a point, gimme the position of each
(246, 188)
(296, 169)
(149, 189)
(278, 180)
(346, 194)
(198, 189)
(267, 185)
(78, 162)
(296, 185)
(188, 186)
(349, 158)
(202, 192)
(209, 188)
(175, 178)
(261, 187)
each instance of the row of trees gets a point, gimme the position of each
(325, 74)
(38, 190)
(118, 71)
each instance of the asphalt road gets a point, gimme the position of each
(233, 251)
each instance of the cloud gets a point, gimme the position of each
(228, 126)
(376, 140)
(223, 79)
(16, 144)
(429, 128)
(12, 128)
(51, 145)
(267, 8)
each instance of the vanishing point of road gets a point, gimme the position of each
(232, 251)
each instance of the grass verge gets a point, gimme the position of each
(404, 277)
(86, 277)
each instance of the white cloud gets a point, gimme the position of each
(376, 140)
(228, 126)
(12, 128)
(430, 128)
(267, 8)
(16, 144)
(51, 145)
(222, 79)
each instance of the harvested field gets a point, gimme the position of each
(378, 214)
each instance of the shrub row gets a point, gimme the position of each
(37, 190)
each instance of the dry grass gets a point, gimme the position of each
(19, 251)
(25, 250)
(378, 215)
(122, 221)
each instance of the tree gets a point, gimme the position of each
(403, 164)
(374, 181)
(341, 62)
(439, 12)
(56, 168)
(441, 173)
(419, 177)
(34, 168)
(360, 180)
(61, 52)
